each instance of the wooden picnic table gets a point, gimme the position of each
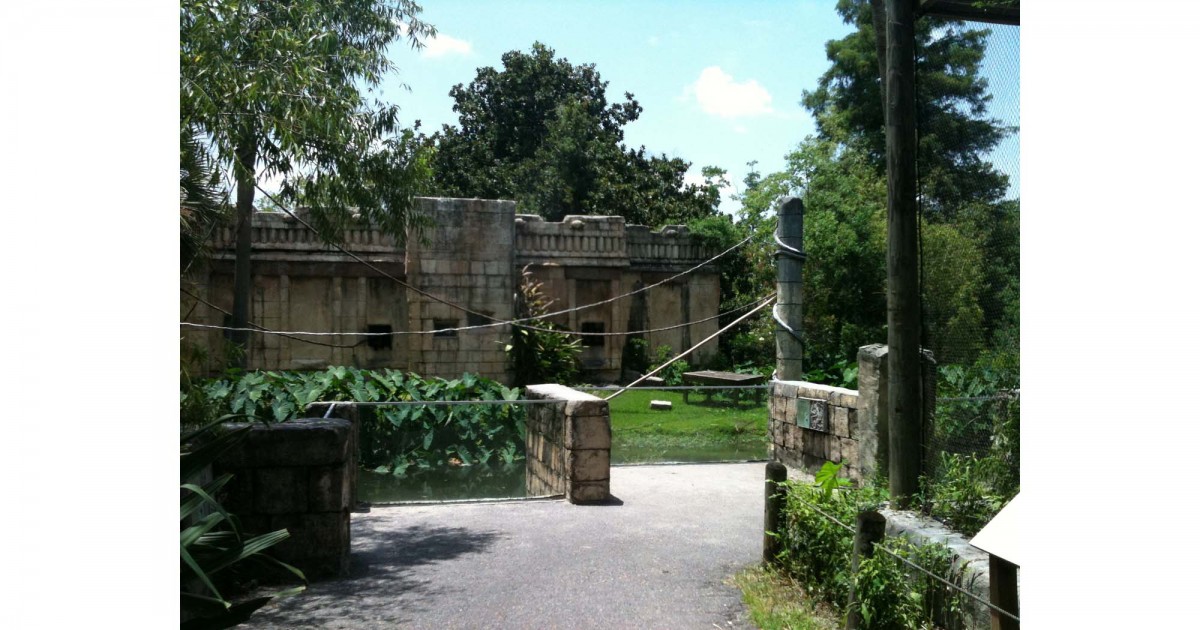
(714, 377)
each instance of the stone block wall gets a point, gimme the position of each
(466, 259)
(842, 424)
(297, 476)
(472, 255)
(567, 445)
(811, 424)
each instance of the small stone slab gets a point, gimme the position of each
(660, 405)
(651, 381)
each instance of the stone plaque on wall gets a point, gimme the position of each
(812, 414)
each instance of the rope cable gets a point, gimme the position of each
(689, 350)
(264, 330)
(488, 317)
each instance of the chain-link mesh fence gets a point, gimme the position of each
(969, 198)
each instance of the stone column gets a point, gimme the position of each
(789, 352)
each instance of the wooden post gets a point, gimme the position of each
(904, 307)
(869, 530)
(879, 20)
(773, 511)
(789, 353)
(1002, 590)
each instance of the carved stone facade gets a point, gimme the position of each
(473, 257)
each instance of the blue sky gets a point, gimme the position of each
(719, 82)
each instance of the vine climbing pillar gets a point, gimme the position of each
(789, 239)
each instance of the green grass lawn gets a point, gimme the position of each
(689, 432)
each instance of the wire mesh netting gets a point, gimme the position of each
(969, 198)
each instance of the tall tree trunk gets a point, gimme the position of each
(244, 172)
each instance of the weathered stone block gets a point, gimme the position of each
(589, 432)
(281, 490)
(238, 494)
(790, 410)
(329, 488)
(318, 544)
(833, 448)
(587, 465)
(586, 405)
(786, 389)
(845, 398)
(839, 421)
(302, 442)
(590, 492)
(849, 449)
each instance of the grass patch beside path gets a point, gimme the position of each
(689, 432)
(777, 602)
(631, 413)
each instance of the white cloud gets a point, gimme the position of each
(442, 45)
(691, 177)
(718, 94)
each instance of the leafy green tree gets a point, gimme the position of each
(275, 88)
(952, 99)
(201, 206)
(542, 131)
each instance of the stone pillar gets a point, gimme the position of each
(579, 436)
(872, 421)
(297, 476)
(789, 352)
(872, 409)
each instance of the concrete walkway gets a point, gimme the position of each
(658, 557)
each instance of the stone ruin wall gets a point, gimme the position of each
(474, 256)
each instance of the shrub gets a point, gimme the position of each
(394, 438)
(212, 543)
(540, 356)
(671, 375)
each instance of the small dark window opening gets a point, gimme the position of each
(592, 341)
(479, 319)
(445, 327)
(227, 323)
(380, 337)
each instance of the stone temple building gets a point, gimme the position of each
(472, 256)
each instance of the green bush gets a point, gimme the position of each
(391, 438)
(978, 439)
(540, 356)
(634, 357)
(817, 552)
(672, 375)
(887, 598)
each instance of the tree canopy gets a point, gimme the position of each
(542, 131)
(969, 232)
(954, 130)
(274, 89)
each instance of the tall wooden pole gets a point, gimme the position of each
(904, 306)
(242, 279)
(879, 20)
(789, 352)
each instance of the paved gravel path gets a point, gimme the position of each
(658, 557)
